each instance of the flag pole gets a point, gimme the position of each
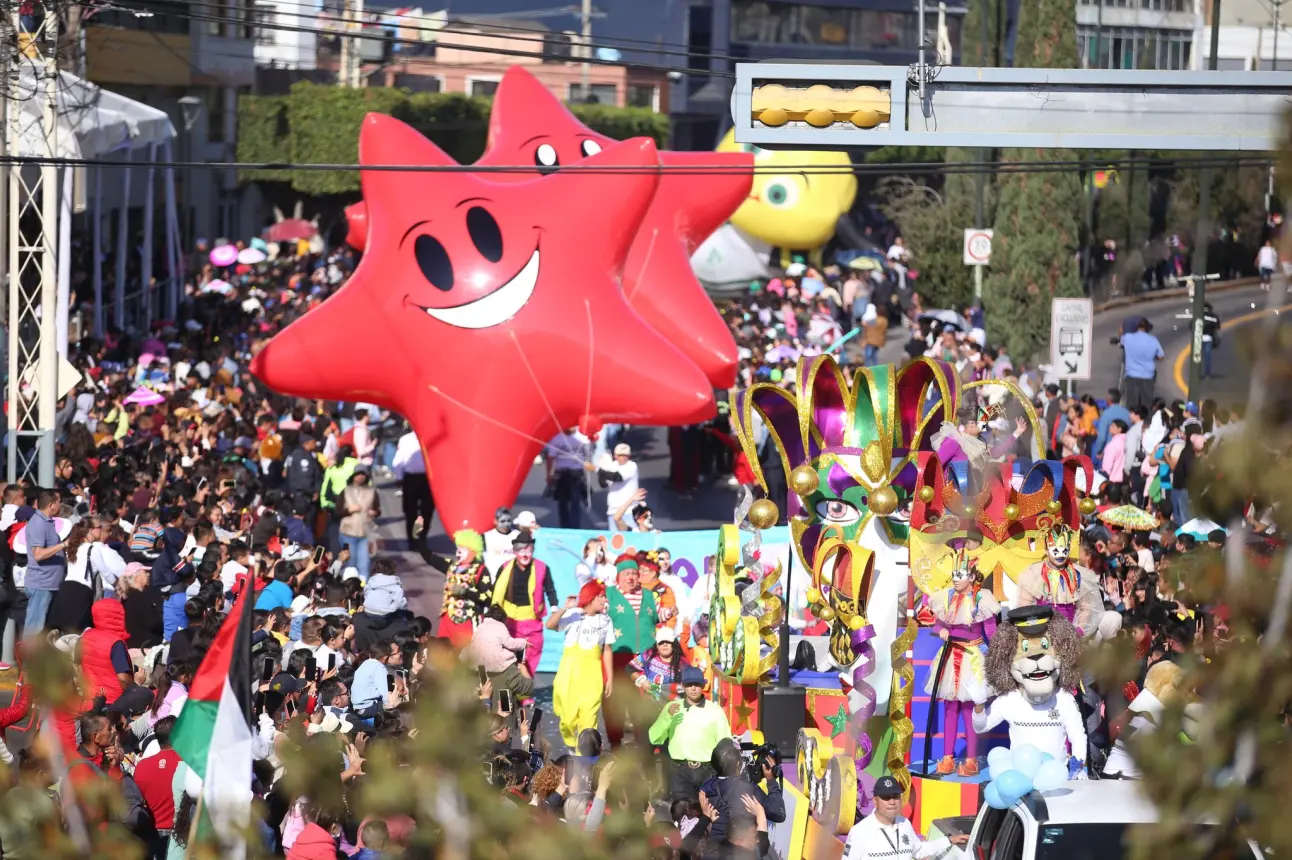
(192, 826)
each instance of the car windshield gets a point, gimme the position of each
(1103, 842)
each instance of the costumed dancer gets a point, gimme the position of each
(1032, 664)
(524, 589)
(1058, 581)
(585, 676)
(961, 441)
(467, 588)
(965, 618)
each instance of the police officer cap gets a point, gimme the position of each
(1031, 620)
(887, 788)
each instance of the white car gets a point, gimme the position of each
(1081, 821)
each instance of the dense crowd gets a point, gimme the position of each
(182, 486)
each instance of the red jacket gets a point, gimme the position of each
(18, 708)
(96, 649)
(313, 843)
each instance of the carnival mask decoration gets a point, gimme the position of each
(848, 451)
(1001, 520)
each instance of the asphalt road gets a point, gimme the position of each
(1238, 310)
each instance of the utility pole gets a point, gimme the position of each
(356, 48)
(349, 45)
(32, 215)
(586, 37)
(1203, 238)
(1274, 66)
(980, 177)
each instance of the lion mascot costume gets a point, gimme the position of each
(1032, 663)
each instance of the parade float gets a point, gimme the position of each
(878, 524)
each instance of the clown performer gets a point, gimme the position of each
(524, 589)
(658, 671)
(635, 616)
(666, 598)
(1058, 581)
(965, 618)
(586, 674)
(467, 588)
(1032, 664)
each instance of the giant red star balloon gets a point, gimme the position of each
(528, 125)
(489, 314)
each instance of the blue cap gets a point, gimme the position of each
(887, 788)
(692, 675)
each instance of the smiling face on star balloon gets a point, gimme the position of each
(489, 279)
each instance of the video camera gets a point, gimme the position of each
(758, 755)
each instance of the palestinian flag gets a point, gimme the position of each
(213, 731)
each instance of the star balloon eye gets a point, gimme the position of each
(485, 234)
(589, 148)
(545, 157)
(433, 260)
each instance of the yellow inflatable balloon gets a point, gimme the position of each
(793, 209)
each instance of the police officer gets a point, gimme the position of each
(886, 834)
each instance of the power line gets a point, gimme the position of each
(927, 167)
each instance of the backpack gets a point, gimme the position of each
(347, 438)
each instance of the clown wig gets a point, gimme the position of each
(590, 592)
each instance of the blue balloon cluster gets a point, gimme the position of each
(1015, 772)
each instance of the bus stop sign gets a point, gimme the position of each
(1072, 323)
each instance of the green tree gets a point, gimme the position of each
(1038, 216)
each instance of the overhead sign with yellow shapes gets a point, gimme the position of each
(820, 105)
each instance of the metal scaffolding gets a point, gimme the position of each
(31, 241)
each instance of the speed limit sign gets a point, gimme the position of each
(977, 246)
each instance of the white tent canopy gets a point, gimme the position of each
(91, 122)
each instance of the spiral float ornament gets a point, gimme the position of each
(903, 690)
(864, 648)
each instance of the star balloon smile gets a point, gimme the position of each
(497, 307)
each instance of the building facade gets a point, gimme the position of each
(694, 44)
(286, 37)
(1140, 34)
(184, 50)
(1254, 36)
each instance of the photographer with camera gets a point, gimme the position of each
(690, 729)
(727, 791)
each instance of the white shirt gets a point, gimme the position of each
(1053, 727)
(1145, 558)
(229, 574)
(898, 841)
(622, 489)
(498, 549)
(1267, 257)
(408, 457)
(586, 631)
(107, 563)
(588, 570)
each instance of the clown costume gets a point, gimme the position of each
(584, 677)
(964, 619)
(467, 586)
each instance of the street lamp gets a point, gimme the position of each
(191, 106)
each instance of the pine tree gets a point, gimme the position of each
(1038, 214)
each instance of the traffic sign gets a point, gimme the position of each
(978, 246)
(1072, 325)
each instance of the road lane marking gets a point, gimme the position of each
(1181, 385)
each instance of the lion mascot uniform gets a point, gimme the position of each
(1031, 665)
(1058, 581)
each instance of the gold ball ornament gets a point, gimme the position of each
(825, 613)
(1011, 512)
(1053, 506)
(856, 622)
(883, 501)
(804, 480)
(1087, 506)
(813, 596)
(926, 494)
(764, 513)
